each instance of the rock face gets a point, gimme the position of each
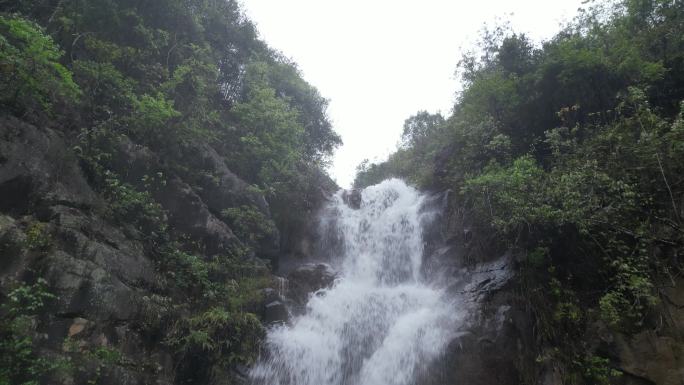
(37, 169)
(108, 291)
(307, 279)
(490, 346)
(99, 275)
(493, 345)
(497, 344)
(292, 294)
(223, 189)
(276, 312)
(352, 198)
(648, 358)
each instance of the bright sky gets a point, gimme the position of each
(381, 61)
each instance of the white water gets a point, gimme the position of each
(381, 323)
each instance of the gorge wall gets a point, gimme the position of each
(157, 162)
(111, 305)
(567, 155)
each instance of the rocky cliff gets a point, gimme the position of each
(115, 297)
(502, 340)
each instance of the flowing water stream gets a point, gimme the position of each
(381, 323)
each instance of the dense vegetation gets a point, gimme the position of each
(572, 153)
(170, 76)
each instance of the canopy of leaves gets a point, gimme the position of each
(31, 77)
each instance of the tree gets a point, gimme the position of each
(418, 127)
(32, 78)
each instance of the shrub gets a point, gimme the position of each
(512, 197)
(37, 237)
(20, 363)
(128, 205)
(218, 331)
(249, 223)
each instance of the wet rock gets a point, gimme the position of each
(551, 375)
(39, 169)
(648, 356)
(77, 326)
(190, 216)
(188, 213)
(275, 312)
(352, 198)
(224, 376)
(307, 279)
(223, 189)
(94, 240)
(269, 295)
(84, 288)
(12, 239)
(96, 271)
(300, 238)
(489, 349)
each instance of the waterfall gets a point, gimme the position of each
(381, 323)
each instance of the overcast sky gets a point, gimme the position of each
(381, 61)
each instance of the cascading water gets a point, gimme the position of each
(380, 323)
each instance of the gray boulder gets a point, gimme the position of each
(352, 198)
(307, 279)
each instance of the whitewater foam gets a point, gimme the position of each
(381, 323)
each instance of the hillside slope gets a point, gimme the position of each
(156, 160)
(570, 157)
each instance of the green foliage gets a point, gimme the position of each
(32, 78)
(26, 299)
(107, 355)
(270, 134)
(151, 117)
(538, 256)
(318, 140)
(249, 223)
(125, 203)
(513, 197)
(20, 363)
(37, 237)
(410, 160)
(87, 362)
(596, 370)
(368, 174)
(284, 138)
(188, 271)
(247, 291)
(138, 208)
(192, 90)
(169, 80)
(225, 290)
(107, 94)
(218, 331)
(584, 367)
(626, 305)
(566, 312)
(232, 281)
